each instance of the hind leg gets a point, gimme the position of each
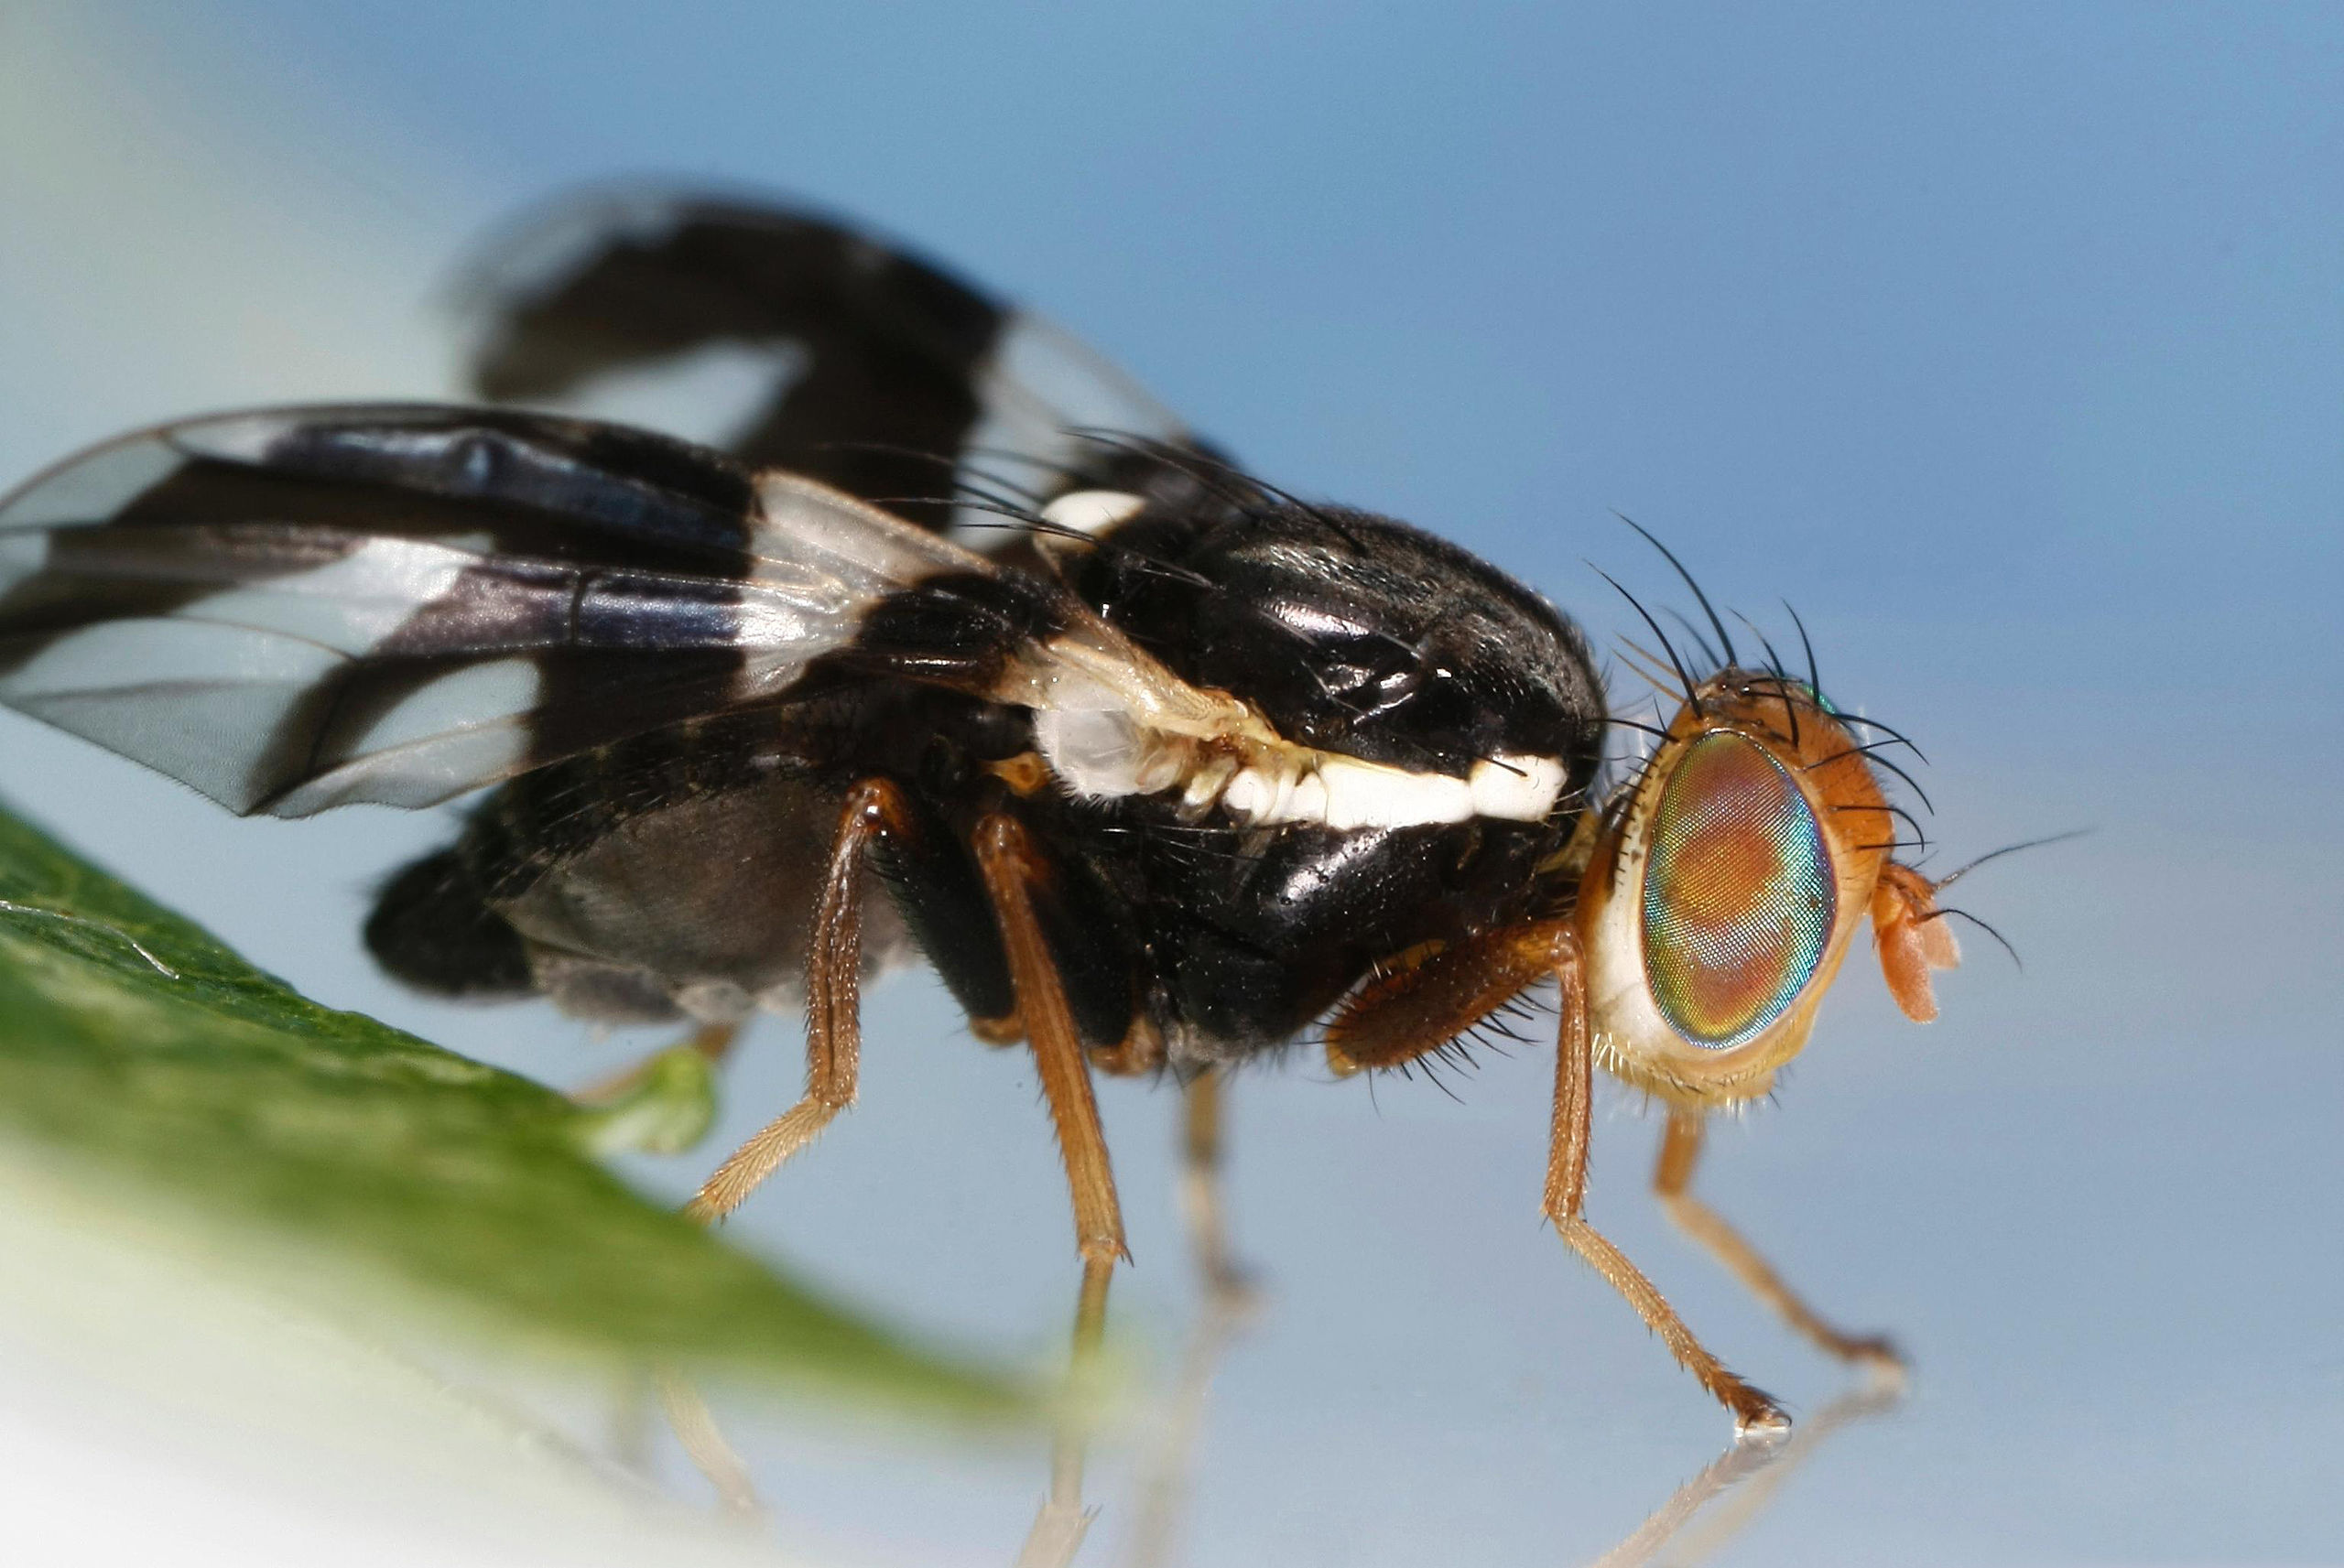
(711, 1043)
(833, 1001)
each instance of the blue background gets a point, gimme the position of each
(2006, 341)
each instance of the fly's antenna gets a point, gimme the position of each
(1724, 640)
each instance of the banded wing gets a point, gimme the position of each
(301, 609)
(794, 342)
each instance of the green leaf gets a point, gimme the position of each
(360, 1166)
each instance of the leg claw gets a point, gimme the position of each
(1765, 1422)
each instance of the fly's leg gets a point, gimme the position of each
(704, 1444)
(1566, 1203)
(1201, 1190)
(1421, 1001)
(1672, 1179)
(711, 1043)
(833, 987)
(1419, 1005)
(1010, 866)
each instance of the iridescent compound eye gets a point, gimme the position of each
(1739, 894)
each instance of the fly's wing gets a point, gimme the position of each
(794, 342)
(301, 609)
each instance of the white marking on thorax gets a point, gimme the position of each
(1108, 728)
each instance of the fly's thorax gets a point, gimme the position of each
(1726, 888)
(1350, 633)
(1111, 732)
(1332, 668)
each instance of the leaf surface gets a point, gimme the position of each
(353, 1163)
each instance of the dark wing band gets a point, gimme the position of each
(300, 609)
(794, 342)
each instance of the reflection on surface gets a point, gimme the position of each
(704, 1442)
(1169, 1474)
(1740, 1481)
(1699, 1518)
(1229, 1302)
(1751, 1470)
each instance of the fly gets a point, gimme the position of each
(940, 639)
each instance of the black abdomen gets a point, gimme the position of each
(432, 928)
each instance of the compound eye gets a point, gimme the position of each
(1738, 895)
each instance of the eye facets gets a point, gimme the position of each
(1738, 895)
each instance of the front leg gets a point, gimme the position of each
(1420, 1006)
(1672, 1179)
(1753, 1411)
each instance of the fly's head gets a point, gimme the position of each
(1728, 881)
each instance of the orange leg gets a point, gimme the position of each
(713, 1043)
(1672, 1179)
(1753, 1411)
(833, 1023)
(1420, 1006)
(1200, 1158)
(1006, 858)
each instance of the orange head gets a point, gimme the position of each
(1727, 883)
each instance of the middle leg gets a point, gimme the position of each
(1010, 865)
